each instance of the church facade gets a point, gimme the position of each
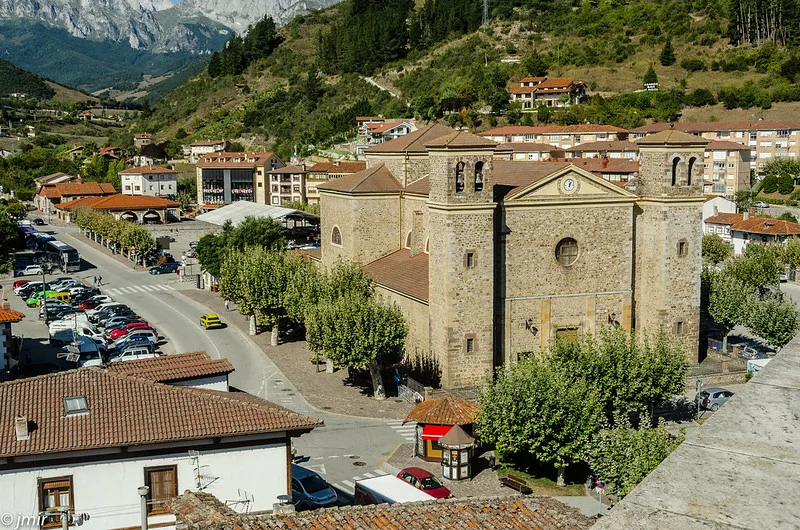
(490, 258)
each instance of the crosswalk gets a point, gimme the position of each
(406, 431)
(136, 289)
(349, 486)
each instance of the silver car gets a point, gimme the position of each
(712, 398)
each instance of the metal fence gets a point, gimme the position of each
(412, 391)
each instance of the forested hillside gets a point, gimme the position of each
(13, 79)
(300, 87)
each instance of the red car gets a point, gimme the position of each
(18, 283)
(121, 332)
(88, 304)
(424, 480)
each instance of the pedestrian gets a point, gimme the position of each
(94, 281)
(99, 280)
(226, 306)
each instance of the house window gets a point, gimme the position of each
(675, 162)
(55, 494)
(478, 176)
(469, 260)
(75, 405)
(336, 236)
(137, 188)
(683, 248)
(163, 484)
(680, 327)
(567, 251)
(568, 334)
(459, 177)
(689, 173)
(469, 343)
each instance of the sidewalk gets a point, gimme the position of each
(331, 393)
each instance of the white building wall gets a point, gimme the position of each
(217, 382)
(247, 479)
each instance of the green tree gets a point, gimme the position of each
(729, 301)
(535, 64)
(623, 455)
(715, 249)
(743, 200)
(650, 76)
(10, 237)
(543, 113)
(791, 253)
(537, 408)
(667, 55)
(757, 267)
(257, 231)
(215, 65)
(774, 319)
(211, 249)
(787, 216)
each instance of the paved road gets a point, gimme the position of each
(345, 449)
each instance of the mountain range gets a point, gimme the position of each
(97, 44)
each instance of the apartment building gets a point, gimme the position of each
(528, 151)
(322, 172)
(286, 184)
(562, 136)
(767, 139)
(552, 92)
(199, 148)
(151, 180)
(610, 149)
(223, 178)
(726, 168)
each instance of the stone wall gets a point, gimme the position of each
(414, 222)
(443, 176)
(417, 316)
(406, 167)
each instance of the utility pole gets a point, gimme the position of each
(485, 20)
(44, 291)
(144, 491)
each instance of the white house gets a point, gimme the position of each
(762, 231)
(199, 149)
(86, 440)
(150, 180)
(195, 369)
(712, 208)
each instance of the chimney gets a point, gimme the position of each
(746, 215)
(605, 162)
(21, 428)
(337, 163)
(5, 304)
(716, 210)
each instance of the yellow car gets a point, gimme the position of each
(210, 320)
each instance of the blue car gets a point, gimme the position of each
(164, 268)
(131, 342)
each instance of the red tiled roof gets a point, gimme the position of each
(9, 315)
(126, 411)
(146, 170)
(754, 125)
(373, 180)
(515, 174)
(595, 165)
(725, 218)
(419, 187)
(48, 191)
(529, 146)
(532, 79)
(108, 149)
(142, 135)
(120, 202)
(202, 511)
(556, 82)
(383, 127)
(762, 225)
(413, 142)
(552, 129)
(516, 89)
(338, 167)
(724, 144)
(460, 139)
(672, 136)
(288, 170)
(445, 410)
(171, 368)
(402, 272)
(614, 145)
(76, 189)
(236, 160)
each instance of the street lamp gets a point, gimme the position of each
(144, 491)
(44, 291)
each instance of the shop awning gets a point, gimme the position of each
(434, 432)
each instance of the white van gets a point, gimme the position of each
(134, 354)
(64, 336)
(389, 489)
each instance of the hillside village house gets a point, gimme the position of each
(200, 148)
(151, 180)
(551, 92)
(286, 185)
(75, 152)
(110, 153)
(150, 155)
(713, 206)
(86, 440)
(559, 136)
(720, 224)
(761, 230)
(142, 139)
(378, 133)
(767, 139)
(142, 209)
(488, 259)
(55, 178)
(50, 195)
(322, 172)
(362, 121)
(223, 178)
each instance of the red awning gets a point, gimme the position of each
(434, 432)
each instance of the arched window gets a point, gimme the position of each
(675, 162)
(689, 171)
(408, 240)
(567, 251)
(478, 176)
(336, 236)
(459, 177)
(428, 245)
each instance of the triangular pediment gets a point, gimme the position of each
(570, 182)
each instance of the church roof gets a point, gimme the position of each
(413, 142)
(445, 410)
(514, 174)
(402, 272)
(373, 180)
(461, 139)
(419, 187)
(671, 136)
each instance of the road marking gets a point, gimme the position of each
(148, 288)
(140, 289)
(318, 458)
(380, 472)
(320, 468)
(127, 290)
(368, 475)
(350, 484)
(114, 291)
(162, 287)
(334, 456)
(169, 287)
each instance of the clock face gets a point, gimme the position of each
(569, 185)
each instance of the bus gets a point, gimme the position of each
(63, 256)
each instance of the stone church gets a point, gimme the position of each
(489, 258)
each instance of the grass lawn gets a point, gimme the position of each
(544, 485)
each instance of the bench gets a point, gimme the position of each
(517, 483)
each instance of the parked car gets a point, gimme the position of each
(130, 342)
(134, 353)
(26, 289)
(760, 204)
(37, 297)
(30, 270)
(38, 221)
(713, 398)
(122, 330)
(749, 353)
(59, 313)
(309, 490)
(88, 304)
(118, 320)
(164, 268)
(102, 298)
(211, 320)
(193, 244)
(425, 481)
(191, 253)
(19, 283)
(52, 305)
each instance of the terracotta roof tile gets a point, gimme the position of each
(461, 139)
(383, 127)
(516, 89)
(595, 165)
(9, 315)
(672, 136)
(402, 272)
(202, 511)
(147, 170)
(373, 180)
(725, 218)
(236, 160)
(142, 135)
(171, 368)
(288, 170)
(77, 189)
(119, 202)
(528, 146)
(762, 225)
(553, 129)
(126, 410)
(557, 82)
(445, 410)
(338, 167)
(532, 79)
(514, 174)
(413, 142)
(419, 187)
(755, 125)
(724, 144)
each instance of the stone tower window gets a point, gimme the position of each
(408, 240)
(336, 236)
(689, 172)
(567, 251)
(675, 162)
(469, 343)
(479, 176)
(460, 177)
(469, 260)
(428, 245)
(683, 248)
(680, 327)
